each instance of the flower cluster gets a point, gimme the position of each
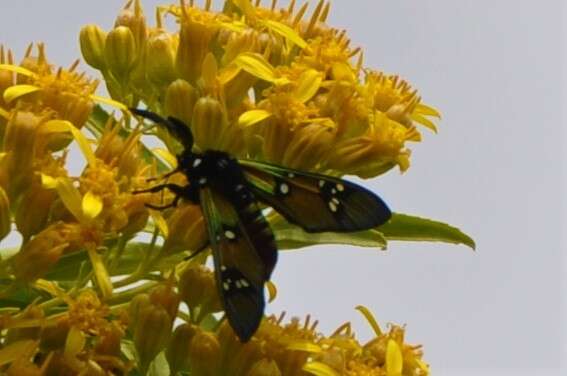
(100, 283)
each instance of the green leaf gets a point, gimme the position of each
(290, 236)
(411, 228)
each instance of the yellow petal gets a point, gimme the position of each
(18, 69)
(92, 205)
(256, 65)
(71, 197)
(285, 31)
(4, 113)
(309, 84)
(304, 345)
(394, 359)
(370, 318)
(165, 156)
(424, 121)
(272, 291)
(235, 26)
(252, 117)
(426, 110)
(327, 122)
(101, 273)
(48, 182)
(57, 126)
(111, 102)
(319, 369)
(209, 70)
(160, 222)
(14, 92)
(15, 350)
(74, 343)
(246, 8)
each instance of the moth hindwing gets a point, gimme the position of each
(244, 254)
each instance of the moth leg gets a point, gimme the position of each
(164, 176)
(188, 192)
(197, 252)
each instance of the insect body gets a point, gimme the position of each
(244, 249)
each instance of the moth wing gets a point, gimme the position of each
(315, 202)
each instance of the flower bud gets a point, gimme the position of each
(5, 222)
(177, 352)
(139, 302)
(194, 39)
(204, 353)
(165, 296)
(209, 122)
(135, 20)
(151, 333)
(32, 211)
(180, 98)
(197, 287)
(186, 230)
(19, 143)
(120, 51)
(92, 41)
(37, 256)
(265, 367)
(160, 62)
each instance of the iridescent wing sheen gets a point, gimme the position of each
(244, 253)
(315, 202)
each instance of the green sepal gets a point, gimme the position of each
(411, 228)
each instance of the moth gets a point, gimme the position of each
(230, 191)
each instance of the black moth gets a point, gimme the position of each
(243, 245)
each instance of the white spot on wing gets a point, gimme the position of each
(335, 200)
(244, 282)
(333, 206)
(284, 188)
(226, 286)
(197, 162)
(203, 181)
(230, 234)
(321, 183)
(340, 187)
(290, 175)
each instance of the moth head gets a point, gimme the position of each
(178, 129)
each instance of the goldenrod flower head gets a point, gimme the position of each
(88, 313)
(37, 256)
(395, 97)
(376, 151)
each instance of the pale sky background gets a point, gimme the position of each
(494, 69)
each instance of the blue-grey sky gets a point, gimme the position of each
(494, 69)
